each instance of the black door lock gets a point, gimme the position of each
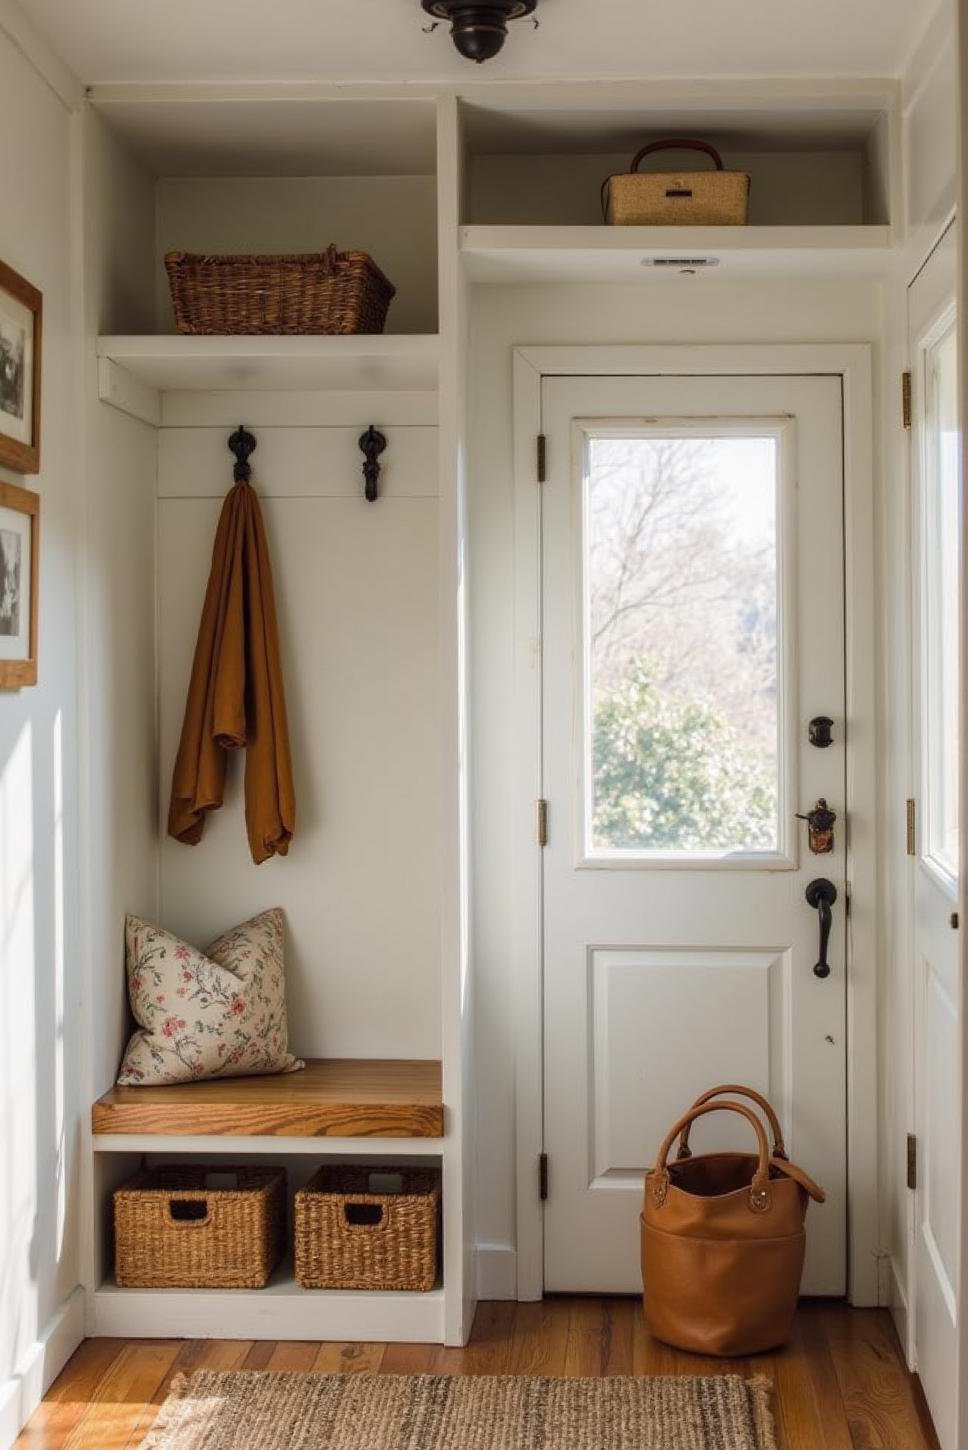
(820, 731)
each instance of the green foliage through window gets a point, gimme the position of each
(673, 773)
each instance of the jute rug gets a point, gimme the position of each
(242, 1410)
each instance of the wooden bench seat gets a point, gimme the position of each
(331, 1098)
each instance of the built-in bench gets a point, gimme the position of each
(331, 1098)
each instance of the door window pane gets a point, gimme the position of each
(941, 583)
(681, 672)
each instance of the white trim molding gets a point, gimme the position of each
(22, 1392)
(851, 362)
(497, 1271)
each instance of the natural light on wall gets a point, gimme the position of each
(941, 535)
(18, 1108)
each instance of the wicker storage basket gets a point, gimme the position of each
(362, 1228)
(322, 292)
(196, 1228)
(677, 198)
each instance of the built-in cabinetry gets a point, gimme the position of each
(446, 191)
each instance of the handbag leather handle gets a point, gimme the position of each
(676, 143)
(729, 1088)
(760, 1197)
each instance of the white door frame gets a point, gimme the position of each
(852, 364)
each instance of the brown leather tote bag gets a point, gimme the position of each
(723, 1239)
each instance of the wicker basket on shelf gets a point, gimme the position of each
(364, 1228)
(321, 292)
(198, 1228)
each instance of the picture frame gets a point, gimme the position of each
(19, 585)
(21, 327)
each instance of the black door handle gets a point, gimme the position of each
(821, 895)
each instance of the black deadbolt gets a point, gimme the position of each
(820, 731)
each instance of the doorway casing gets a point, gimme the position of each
(851, 363)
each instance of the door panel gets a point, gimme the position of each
(692, 625)
(936, 571)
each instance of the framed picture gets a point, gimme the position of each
(19, 587)
(21, 309)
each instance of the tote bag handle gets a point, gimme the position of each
(760, 1198)
(676, 143)
(727, 1089)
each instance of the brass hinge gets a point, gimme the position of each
(543, 1176)
(911, 827)
(541, 822)
(906, 399)
(912, 1161)
(542, 459)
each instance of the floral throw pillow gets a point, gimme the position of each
(217, 1013)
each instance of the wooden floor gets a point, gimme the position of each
(840, 1385)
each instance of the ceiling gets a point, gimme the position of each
(107, 41)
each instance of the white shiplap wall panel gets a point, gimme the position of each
(303, 462)
(357, 589)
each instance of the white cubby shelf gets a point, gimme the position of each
(545, 254)
(281, 1308)
(134, 371)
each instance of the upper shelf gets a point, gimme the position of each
(174, 362)
(330, 1098)
(624, 254)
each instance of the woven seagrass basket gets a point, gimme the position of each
(197, 1228)
(677, 198)
(362, 1228)
(320, 292)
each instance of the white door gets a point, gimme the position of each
(692, 628)
(937, 543)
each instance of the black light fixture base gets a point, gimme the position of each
(479, 30)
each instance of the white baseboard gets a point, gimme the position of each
(497, 1271)
(22, 1392)
(898, 1305)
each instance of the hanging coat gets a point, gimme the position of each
(236, 699)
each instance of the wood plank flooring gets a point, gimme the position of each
(840, 1385)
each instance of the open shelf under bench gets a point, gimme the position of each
(282, 1310)
(345, 1098)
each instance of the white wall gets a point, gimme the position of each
(117, 684)
(702, 309)
(357, 593)
(40, 986)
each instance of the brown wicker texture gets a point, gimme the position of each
(350, 1234)
(189, 1228)
(321, 292)
(677, 198)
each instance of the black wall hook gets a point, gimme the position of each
(372, 443)
(242, 445)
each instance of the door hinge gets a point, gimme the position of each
(542, 458)
(906, 399)
(912, 1161)
(543, 1176)
(541, 822)
(911, 826)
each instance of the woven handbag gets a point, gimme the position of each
(676, 198)
(723, 1239)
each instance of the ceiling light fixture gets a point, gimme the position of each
(479, 31)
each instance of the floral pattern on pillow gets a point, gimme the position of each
(217, 1013)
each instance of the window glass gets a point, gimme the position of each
(681, 595)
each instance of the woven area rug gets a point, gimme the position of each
(243, 1410)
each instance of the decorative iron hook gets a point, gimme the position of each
(242, 445)
(372, 443)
